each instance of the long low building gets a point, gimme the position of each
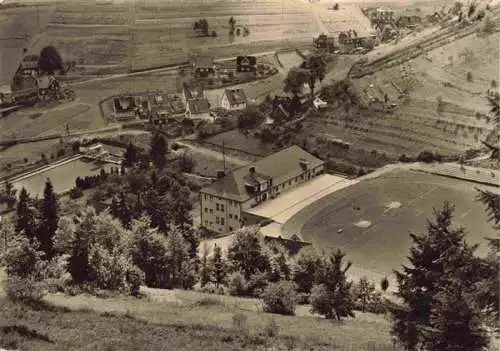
(223, 204)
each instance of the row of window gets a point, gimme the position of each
(219, 220)
(211, 198)
(209, 224)
(219, 207)
(231, 216)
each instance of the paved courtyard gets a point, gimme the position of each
(291, 202)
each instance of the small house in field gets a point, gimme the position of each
(246, 63)
(198, 109)
(204, 66)
(234, 99)
(47, 87)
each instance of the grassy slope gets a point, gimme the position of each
(180, 320)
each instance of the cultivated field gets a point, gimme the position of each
(374, 217)
(457, 123)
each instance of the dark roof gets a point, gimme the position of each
(30, 58)
(192, 91)
(204, 62)
(279, 167)
(236, 96)
(197, 106)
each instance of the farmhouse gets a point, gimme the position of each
(192, 91)
(223, 203)
(246, 63)
(234, 99)
(204, 66)
(384, 15)
(198, 109)
(408, 21)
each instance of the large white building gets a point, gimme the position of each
(223, 203)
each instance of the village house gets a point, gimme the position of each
(408, 21)
(246, 63)
(384, 15)
(198, 109)
(234, 99)
(192, 91)
(223, 203)
(204, 66)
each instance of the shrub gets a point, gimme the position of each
(469, 76)
(210, 288)
(440, 104)
(236, 284)
(135, 277)
(25, 289)
(75, 193)
(280, 298)
(239, 321)
(272, 329)
(426, 156)
(256, 284)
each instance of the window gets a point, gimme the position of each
(205, 196)
(211, 210)
(302, 177)
(235, 216)
(222, 221)
(230, 229)
(222, 207)
(289, 182)
(217, 207)
(230, 216)
(206, 222)
(217, 220)
(206, 209)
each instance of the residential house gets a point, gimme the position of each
(246, 63)
(29, 65)
(223, 203)
(384, 15)
(204, 66)
(198, 109)
(192, 91)
(124, 108)
(48, 87)
(408, 21)
(321, 42)
(234, 99)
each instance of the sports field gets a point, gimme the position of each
(372, 220)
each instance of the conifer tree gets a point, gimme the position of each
(439, 259)
(219, 267)
(49, 220)
(26, 216)
(124, 212)
(158, 150)
(130, 156)
(9, 194)
(205, 274)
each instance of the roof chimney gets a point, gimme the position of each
(303, 163)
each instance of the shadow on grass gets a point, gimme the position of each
(24, 332)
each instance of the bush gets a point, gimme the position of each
(272, 329)
(75, 193)
(302, 298)
(426, 156)
(469, 76)
(135, 277)
(280, 298)
(236, 284)
(239, 321)
(256, 285)
(25, 289)
(210, 288)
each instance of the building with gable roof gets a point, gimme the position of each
(223, 203)
(234, 99)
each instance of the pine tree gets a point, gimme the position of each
(420, 284)
(205, 274)
(49, 220)
(177, 255)
(79, 266)
(124, 212)
(114, 207)
(219, 267)
(26, 216)
(139, 206)
(130, 156)
(158, 150)
(10, 195)
(157, 209)
(384, 284)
